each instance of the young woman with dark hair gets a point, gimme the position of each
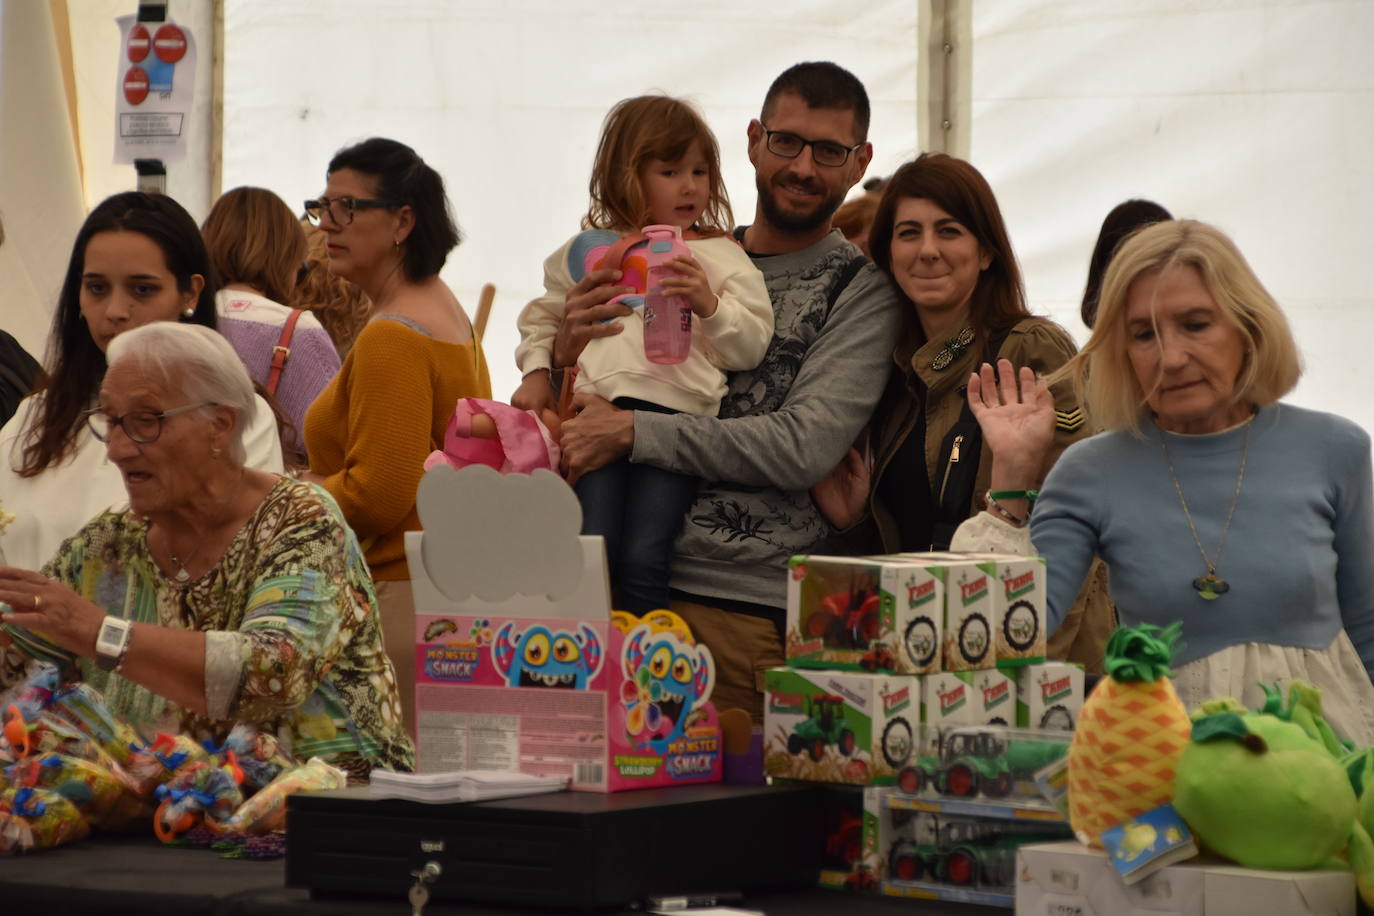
(137, 258)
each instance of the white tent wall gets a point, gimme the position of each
(1257, 117)
(506, 101)
(49, 178)
(40, 183)
(1251, 115)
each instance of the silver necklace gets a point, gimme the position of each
(1210, 586)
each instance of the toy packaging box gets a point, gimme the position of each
(1049, 695)
(983, 762)
(545, 680)
(960, 851)
(1068, 877)
(983, 697)
(869, 614)
(835, 726)
(858, 826)
(994, 608)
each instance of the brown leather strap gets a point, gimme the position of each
(281, 352)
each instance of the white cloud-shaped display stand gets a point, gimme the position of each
(494, 537)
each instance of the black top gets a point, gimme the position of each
(18, 371)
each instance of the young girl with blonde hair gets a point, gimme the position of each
(657, 164)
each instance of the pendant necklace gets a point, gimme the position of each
(954, 348)
(182, 575)
(1210, 586)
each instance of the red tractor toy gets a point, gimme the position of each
(848, 619)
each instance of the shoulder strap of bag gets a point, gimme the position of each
(281, 352)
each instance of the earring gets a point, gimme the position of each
(189, 312)
(397, 243)
(215, 452)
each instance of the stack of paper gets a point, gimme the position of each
(461, 785)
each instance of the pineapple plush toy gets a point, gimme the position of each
(1129, 737)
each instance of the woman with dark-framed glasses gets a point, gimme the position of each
(138, 258)
(389, 231)
(222, 594)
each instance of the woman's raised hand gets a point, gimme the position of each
(1016, 413)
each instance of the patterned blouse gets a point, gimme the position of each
(293, 640)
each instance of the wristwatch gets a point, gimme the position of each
(112, 643)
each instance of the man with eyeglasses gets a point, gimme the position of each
(783, 425)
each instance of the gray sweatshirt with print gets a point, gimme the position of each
(782, 426)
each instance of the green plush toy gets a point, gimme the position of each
(1276, 788)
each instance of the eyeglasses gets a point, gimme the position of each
(341, 209)
(141, 426)
(789, 146)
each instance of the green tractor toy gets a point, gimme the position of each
(824, 726)
(979, 760)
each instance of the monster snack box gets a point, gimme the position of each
(618, 703)
(880, 614)
(839, 726)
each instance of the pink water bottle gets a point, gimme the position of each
(667, 318)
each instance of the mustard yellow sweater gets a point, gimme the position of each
(369, 431)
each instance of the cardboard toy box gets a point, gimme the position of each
(863, 613)
(549, 683)
(858, 831)
(1068, 877)
(994, 608)
(834, 726)
(983, 697)
(1049, 695)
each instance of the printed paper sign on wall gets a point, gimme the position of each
(153, 91)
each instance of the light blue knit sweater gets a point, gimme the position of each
(1299, 557)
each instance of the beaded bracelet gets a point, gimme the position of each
(1001, 510)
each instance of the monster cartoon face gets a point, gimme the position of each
(665, 680)
(540, 657)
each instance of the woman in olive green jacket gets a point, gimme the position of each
(939, 235)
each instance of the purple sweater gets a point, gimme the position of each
(253, 324)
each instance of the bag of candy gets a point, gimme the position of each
(106, 798)
(266, 811)
(198, 791)
(32, 819)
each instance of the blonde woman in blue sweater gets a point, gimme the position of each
(1213, 503)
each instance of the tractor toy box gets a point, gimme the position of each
(858, 823)
(983, 763)
(520, 663)
(835, 726)
(983, 697)
(994, 608)
(960, 851)
(863, 614)
(1049, 695)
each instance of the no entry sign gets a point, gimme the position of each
(138, 44)
(169, 43)
(135, 85)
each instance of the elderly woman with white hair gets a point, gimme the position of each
(222, 594)
(1212, 502)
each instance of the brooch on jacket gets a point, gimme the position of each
(953, 349)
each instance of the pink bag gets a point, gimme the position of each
(498, 435)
